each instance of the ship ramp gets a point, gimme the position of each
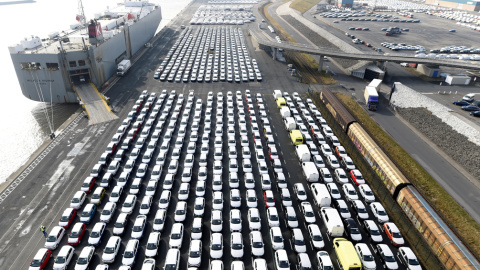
(94, 104)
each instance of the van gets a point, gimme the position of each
(321, 195)
(277, 94)
(347, 256)
(289, 123)
(285, 112)
(310, 171)
(281, 102)
(172, 260)
(296, 137)
(303, 153)
(332, 221)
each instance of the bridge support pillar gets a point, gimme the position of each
(274, 54)
(320, 63)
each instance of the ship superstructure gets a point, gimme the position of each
(48, 68)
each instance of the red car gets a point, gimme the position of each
(67, 217)
(357, 177)
(77, 233)
(269, 199)
(393, 233)
(41, 259)
(340, 151)
(88, 184)
(272, 152)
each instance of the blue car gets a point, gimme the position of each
(476, 113)
(470, 108)
(461, 103)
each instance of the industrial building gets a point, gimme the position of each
(344, 3)
(470, 5)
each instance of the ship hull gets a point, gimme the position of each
(53, 83)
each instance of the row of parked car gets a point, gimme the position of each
(468, 103)
(324, 193)
(209, 54)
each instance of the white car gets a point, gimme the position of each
(123, 178)
(246, 153)
(249, 181)
(235, 198)
(183, 192)
(172, 167)
(326, 150)
(266, 182)
(159, 220)
(202, 174)
(216, 221)
(197, 227)
(129, 204)
(188, 163)
(199, 207)
(308, 212)
(84, 258)
(217, 167)
(151, 249)
(373, 230)
(176, 236)
(64, 257)
(387, 257)
(251, 198)
(164, 201)
(298, 241)
(334, 191)
(235, 220)
(254, 220)
(281, 260)
(379, 212)
(195, 253)
(113, 167)
(200, 188)
(186, 175)
(366, 256)
(151, 187)
(318, 160)
(360, 208)
(332, 161)
(96, 234)
(217, 200)
(316, 236)
(119, 226)
(54, 237)
(146, 204)
(256, 243)
(276, 238)
(192, 146)
(130, 252)
(78, 200)
(299, 190)
(285, 196)
(341, 176)
(273, 218)
(216, 247)
(107, 212)
(323, 260)
(138, 227)
(350, 192)
(292, 220)
(234, 182)
(142, 170)
(366, 193)
(168, 182)
(236, 242)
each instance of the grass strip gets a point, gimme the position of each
(452, 213)
(303, 5)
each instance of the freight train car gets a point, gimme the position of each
(391, 176)
(450, 250)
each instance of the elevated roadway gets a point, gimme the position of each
(387, 57)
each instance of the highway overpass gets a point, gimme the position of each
(264, 40)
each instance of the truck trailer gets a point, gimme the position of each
(123, 67)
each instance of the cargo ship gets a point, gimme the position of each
(49, 68)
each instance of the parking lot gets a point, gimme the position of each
(214, 121)
(209, 54)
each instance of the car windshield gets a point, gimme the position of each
(106, 212)
(51, 238)
(216, 247)
(175, 236)
(283, 264)
(94, 234)
(163, 200)
(309, 214)
(59, 259)
(255, 219)
(85, 214)
(83, 260)
(396, 235)
(327, 267)
(299, 242)
(335, 191)
(196, 229)
(118, 225)
(127, 204)
(368, 192)
(274, 217)
(292, 218)
(35, 263)
(237, 246)
(75, 200)
(389, 259)
(128, 254)
(109, 250)
(183, 191)
(317, 237)
(368, 258)
(362, 210)
(181, 212)
(137, 228)
(413, 262)
(194, 254)
(354, 231)
(382, 212)
(235, 220)
(151, 246)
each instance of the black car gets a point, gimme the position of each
(476, 113)
(351, 230)
(461, 103)
(470, 108)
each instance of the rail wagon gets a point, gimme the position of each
(336, 108)
(391, 176)
(448, 248)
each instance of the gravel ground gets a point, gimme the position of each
(463, 151)
(317, 39)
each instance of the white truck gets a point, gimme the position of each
(277, 94)
(332, 221)
(321, 196)
(303, 152)
(290, 123)
(123, 67)
(310, 171)
(285, 112)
